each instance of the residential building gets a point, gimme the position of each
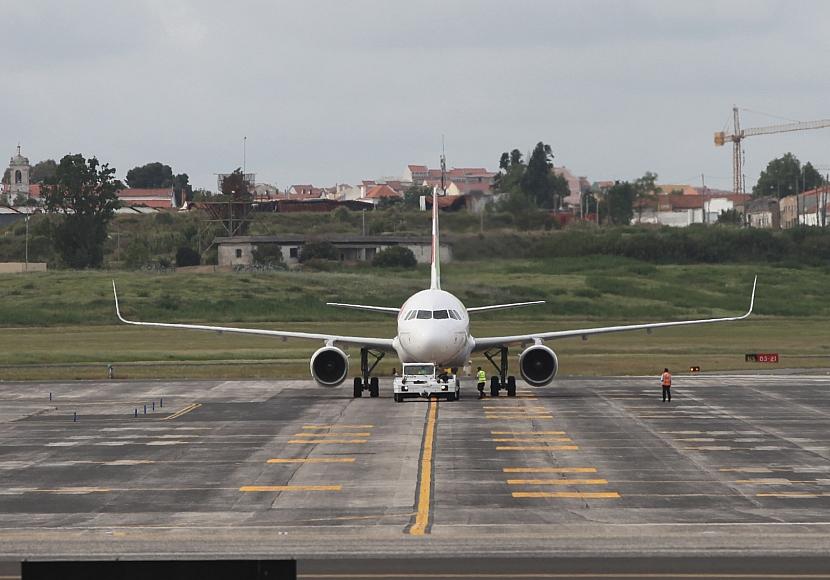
(762, 212)
(805, 209)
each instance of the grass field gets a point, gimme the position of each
(61, 325)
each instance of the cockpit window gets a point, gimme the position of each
(454, 314)
(411, 314)
(440, 314)
(424, 314)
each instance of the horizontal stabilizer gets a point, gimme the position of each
(504, 306)
(365, 307)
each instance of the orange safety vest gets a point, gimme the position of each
(666, 379)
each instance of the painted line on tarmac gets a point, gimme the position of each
(557, 482)
(180, 412)
(527, 432)
(549, 470)
(338, 426)
(537, 447)
(421, 524)
(567, 494)
(313, 460)
(272, 488)
(349, 434)
(532, 440)
(327, 441)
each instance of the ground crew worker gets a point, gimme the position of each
(481, 377)
(665, 380)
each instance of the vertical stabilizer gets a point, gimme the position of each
(435, 279)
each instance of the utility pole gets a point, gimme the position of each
(27, 244)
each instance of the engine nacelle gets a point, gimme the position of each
(329, 366)
(538, 365)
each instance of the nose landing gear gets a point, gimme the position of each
(366, 382)
(501, 381)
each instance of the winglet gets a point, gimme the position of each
(117, 310)
(751, 300)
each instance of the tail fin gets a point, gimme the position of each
(435, 278)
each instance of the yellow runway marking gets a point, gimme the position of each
(556, 482)
(549, 470)
(537, 448)
(325, 441)
(532, 440)
(314, 460)
(349, 434)
(184, 411)
(425, 488)
(791, 494)
(568, 494)
(266, 488)
(527, 432)
(338, 426)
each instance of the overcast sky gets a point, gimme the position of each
(340, 90)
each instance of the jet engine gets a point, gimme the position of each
(538, 365)
(329, 366)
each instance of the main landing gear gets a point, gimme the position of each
(500, 381)
(365, 382)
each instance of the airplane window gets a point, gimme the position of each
(454, 314)
(411, 314)
(424, 314)
(440, 314)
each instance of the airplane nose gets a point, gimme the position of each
(431, 345)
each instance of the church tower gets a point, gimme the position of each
(19, 170)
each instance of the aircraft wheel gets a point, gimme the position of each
(511, 386)
(374, 387)
(450, 397)
(358, 387)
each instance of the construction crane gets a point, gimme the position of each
(738, 134)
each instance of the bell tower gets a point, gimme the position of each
(19, 170)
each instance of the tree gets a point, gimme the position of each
(182, 188)
(645, 191)
(83, 191)
(150, 176)
(43, 170)
(785, 176)
(412, 195)
(267, 255)
(730, 216)
(235, 185)
(619, 201)
(395, 257)
(536, 182)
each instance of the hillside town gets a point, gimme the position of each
(469, 189)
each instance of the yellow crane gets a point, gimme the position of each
(738, 135)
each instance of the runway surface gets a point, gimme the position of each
(734, 466)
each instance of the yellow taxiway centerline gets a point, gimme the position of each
(180, 412)
(425, 487)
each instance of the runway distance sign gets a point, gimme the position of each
(762, 357)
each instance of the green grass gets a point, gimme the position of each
(62, 324)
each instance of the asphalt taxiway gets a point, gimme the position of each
(734, 466)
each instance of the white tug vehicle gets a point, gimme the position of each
(423, 380)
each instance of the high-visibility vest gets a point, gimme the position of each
(666, 379)
(481, 376)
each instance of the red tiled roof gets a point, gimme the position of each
(380, 191)
(159, 192)
(417, 168)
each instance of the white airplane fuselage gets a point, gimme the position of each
(434, 327)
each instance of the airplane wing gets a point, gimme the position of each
(504, 306)
(379, 343)
(489, 342)
(365, 307)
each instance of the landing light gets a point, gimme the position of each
(694, 369)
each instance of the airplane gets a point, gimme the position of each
(434, 327)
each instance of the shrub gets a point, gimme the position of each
(395, 257)
(267, 255)
(318, 251)
(187, 256)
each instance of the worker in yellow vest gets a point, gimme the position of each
(665, 380)
(481, 378)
